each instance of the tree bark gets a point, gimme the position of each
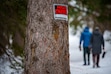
(46, 44)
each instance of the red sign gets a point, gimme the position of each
(60, 10)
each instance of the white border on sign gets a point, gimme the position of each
(60, 16)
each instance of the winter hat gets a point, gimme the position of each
(96, 28)
(86, 27)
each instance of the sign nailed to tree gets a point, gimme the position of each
(60, 12)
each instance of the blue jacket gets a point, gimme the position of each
(85, 37)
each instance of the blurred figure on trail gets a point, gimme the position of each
(85, 38)
(97, 41)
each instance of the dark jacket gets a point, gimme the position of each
(85, 37)
(97, 41)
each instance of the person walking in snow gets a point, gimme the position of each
(85, 38)
(97, 41)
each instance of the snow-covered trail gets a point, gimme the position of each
(76, 59)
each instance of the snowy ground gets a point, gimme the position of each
(5, 65)
(76, 58)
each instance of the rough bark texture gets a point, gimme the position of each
(46, 44)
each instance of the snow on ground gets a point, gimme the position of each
(5, 65)
(76, 58)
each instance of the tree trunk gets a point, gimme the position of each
(46, 44)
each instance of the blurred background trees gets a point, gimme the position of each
(12, 24)
(91, 13)
(12, 28)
